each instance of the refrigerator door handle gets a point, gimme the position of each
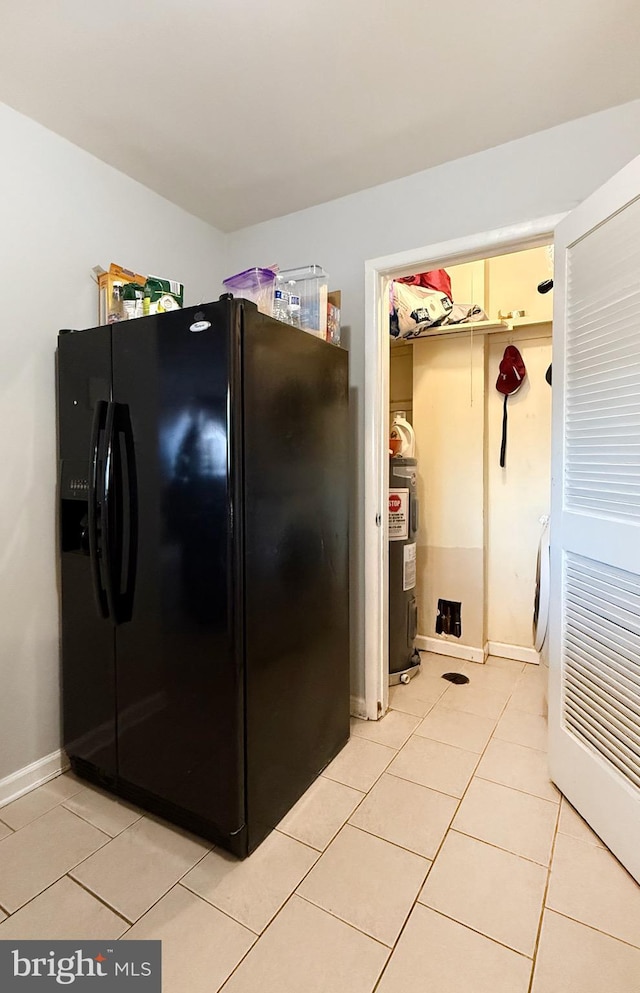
(126, 537)
(106, 502)
(96, 473)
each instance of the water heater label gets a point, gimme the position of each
(398, 515)
(409, 566)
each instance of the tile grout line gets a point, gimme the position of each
(109, 838)
(155, 902)
(253, 943)
(430, 708)
(544, 900)
(556, 803)
(280, 911)
(355, 827)
(71, 868)
(601, 847)
(499, 848)
(56, 806)
(97, 897)
(605, 934)
(54, 883)
(487, 937)
(439, 849)
(321, 851)
(225, 913)
(450, 795)
(354, 927)
(518, 743)
(44, 813)
(199, 896)
(86, 887)
(275, 914)
(92, 824)
(370, 834)
(177, 883)
(593, 844)
(387, 948)
(396, 750)
(509, 741)
(295, 893)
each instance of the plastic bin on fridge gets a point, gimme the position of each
(253, 284)
(311, 286)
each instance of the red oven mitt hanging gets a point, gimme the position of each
(510, 378)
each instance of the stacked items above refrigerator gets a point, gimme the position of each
(124, 295)
(299, 297)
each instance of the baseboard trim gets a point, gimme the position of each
(358, 707)
(465, 652)
(515, 652)
(27, 778)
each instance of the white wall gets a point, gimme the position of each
(512, 284)
(448, 416)
(542, 174)
(518, 495)
(61, 212)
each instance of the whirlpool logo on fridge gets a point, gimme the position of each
(119, 966)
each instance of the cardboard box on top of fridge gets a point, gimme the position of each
(334, 303)
(106, 280)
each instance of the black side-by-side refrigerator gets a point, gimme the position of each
(203, 507)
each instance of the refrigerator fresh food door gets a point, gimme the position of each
(88, 673)
(178, 643)
(296, 511)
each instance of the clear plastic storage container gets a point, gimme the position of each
(311, 286)
(253, 284)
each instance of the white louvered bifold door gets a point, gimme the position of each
(594, 632)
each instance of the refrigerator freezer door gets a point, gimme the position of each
(88, 674)
(179, 681)
(296, 512)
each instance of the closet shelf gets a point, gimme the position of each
(482, 326)
(526, 322)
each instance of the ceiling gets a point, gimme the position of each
(240, 112)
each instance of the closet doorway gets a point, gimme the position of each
(480, 521)
(379, 274)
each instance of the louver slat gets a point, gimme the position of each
(601, 661)
(602, 408)
(592, 670)
(589, 713)
(620, 721)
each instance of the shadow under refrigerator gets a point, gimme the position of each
(203, 489)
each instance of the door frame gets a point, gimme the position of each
(378, 273)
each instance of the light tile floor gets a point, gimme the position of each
(433, 856)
